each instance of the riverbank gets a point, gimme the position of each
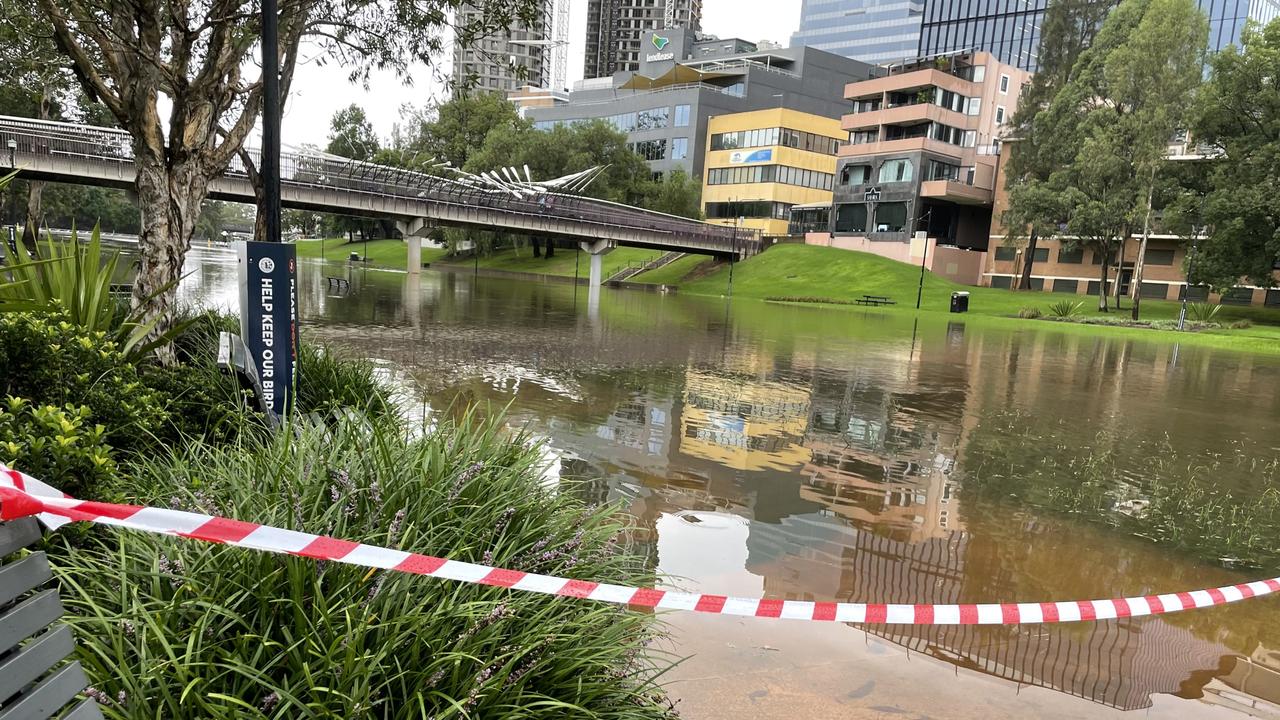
(387, 253)
(567, 262)
(818, 274)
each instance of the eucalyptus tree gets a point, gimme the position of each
(181, 76)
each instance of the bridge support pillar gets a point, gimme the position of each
(597, 249)
(413, 231)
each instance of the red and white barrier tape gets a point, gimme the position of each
(23, 496)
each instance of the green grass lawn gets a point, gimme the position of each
(673, 273)
(388, 253)
(842, 275)
(562, 263)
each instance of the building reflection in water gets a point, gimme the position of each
(863, 505)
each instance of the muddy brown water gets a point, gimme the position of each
(832, 455)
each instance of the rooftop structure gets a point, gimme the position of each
(619, 31)
(664, 105)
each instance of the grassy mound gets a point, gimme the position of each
(675, 272)
(389, 253)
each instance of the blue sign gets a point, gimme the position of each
(743, 157)
(269, 318)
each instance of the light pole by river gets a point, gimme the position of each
(13, 199)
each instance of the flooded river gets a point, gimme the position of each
(837, 455)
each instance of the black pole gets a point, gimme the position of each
(271, 119)
(924, 257)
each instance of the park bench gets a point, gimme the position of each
(875, 300)
(36, 682)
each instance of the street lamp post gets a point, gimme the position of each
(1186, 289)
(13, 199)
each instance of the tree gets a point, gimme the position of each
(1045, 135)
(126, 54)
(451, 131)
(351, 134)
(676, 194)
(1124, 100)
(1238, 115)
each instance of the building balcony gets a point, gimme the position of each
(882, 147)
(909, 115)
(956, 191)
(910, 81)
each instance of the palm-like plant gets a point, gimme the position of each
(76, 279)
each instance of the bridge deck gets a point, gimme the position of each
(82, 154)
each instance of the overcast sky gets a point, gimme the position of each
(318, 92)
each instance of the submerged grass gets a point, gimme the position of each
(179, 629)
(1145, 487)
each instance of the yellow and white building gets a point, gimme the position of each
(761, 163)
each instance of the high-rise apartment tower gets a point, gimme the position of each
(618, 30)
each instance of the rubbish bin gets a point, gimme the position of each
(959, 302)
(354, 257)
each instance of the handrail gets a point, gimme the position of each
(325, 172)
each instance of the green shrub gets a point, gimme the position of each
(57, 445)
(73, 282)
(1029, 313)
(1203, 311)
(1065, 308)
(182, 629)
(1242, 324)
(328, 383)
(48, 360)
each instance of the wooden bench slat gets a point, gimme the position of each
(87, 710)
(27, 574)
(28, 617)
(17, 534)
(34, 660)
(47, 698)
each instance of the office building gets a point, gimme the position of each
(760, 164)
(619, 31)
(919, 172)
(877, 33)
(665, 105)
(506, 60)
(1010, 29)
(1063, 266)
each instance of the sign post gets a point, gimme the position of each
(269, 319)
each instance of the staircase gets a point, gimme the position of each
(631, 271)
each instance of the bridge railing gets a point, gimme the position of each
(112, 148)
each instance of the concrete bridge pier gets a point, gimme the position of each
(597, 249)
(413, 231)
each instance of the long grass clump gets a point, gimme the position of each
(182, 629)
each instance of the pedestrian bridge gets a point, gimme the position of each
(319, 182)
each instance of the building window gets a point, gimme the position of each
(855, 175)
(851, 218)
(1071, 257)
(1004, 282)
(891, 217)
(1093, 287)
(975, 106)
(652, 149)
(1006, 253)
(1272, 299)
(938, 170)
(679, 148)
(1158, 257)
(979, 73)
(1237, 296)
(1154, 291)
(970, 138)
(1062, 285)
(1042, 255)
(1196, 294)
(682, 116)
(1097, 257)
(1004, 84)
(895, 171)
(999, 114)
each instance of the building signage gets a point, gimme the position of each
(269, 318)
(659, 57)
(871, 195)
(660, 42)
(746, 157)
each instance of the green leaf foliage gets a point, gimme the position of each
(62, 446)
(179, 629)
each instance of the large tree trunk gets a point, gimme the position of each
(1025, 283)
(1136, 283)
(31, 226)
(1124, 241)
(1102, 285)
(551, 247)
(537, 249)
(169, 198)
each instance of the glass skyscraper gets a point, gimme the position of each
(1010, 29)
(866, 30)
